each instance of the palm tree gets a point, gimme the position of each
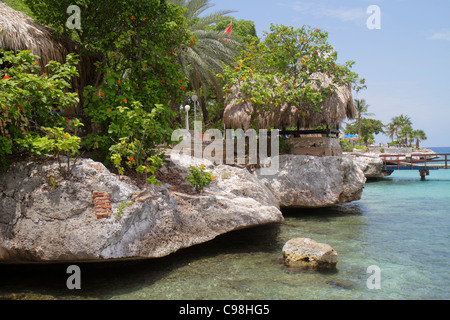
(404, 133)
(391, 129)
(361, 108)
(404, 120)
(398, 123)
(419, 135)
(204, 59)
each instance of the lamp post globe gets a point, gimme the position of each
(195, 100)
(187, 108)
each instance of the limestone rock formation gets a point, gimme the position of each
(307, 253)
(312, 182)
(44, 217)
(372, 166)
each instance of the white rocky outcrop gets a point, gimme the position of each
(370, 165)
(312, 182)
(46, 218)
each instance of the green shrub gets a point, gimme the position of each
(199, 178)
(346, 145)
(28, 99)
(56, 142)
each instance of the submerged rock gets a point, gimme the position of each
(308, 254)
(44, 217)
(313, 182)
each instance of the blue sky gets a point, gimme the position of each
(406, 63)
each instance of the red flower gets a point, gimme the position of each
(102, 94)
(67, 119)
(4, 107)
(6, 77)
(118, 81)
(132, 18)
(125, 100)
(131, 159)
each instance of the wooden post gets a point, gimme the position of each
(423, 173)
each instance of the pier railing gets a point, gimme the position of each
(415, 161)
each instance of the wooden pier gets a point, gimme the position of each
(421, 162)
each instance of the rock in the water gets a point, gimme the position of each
(307, 253)
(44, 217)
(312, 182)
(372, 166)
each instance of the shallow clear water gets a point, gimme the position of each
(401, 225)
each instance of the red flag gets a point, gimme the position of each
(228, 30)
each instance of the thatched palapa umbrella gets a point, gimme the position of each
(333, 111)
(19, 32)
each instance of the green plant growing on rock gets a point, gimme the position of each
(199, 178)
(29, 98)
(120, 208)
(55, 141)
(128, 153)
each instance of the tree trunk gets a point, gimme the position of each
(204, 111)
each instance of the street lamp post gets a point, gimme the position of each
(195, 100)
(187, 108)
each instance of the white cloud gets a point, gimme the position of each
(443, 35)
(320, 10)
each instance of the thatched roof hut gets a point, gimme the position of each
(338, 107)
(19, 32)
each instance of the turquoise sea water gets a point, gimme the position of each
(401, 225)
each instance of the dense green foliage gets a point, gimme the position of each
(152, 56)
(368, 128)
(280, 68)
(243, 30)
(19, 5)
(28, 101)
(208, 52)
(139, 82)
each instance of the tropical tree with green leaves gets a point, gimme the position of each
(396, 125)
(368, 128)
(208, 52)
(288, 66)
(419, 135)
(405, 133)
(390, 130)
(361, 108)
(244, 30)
